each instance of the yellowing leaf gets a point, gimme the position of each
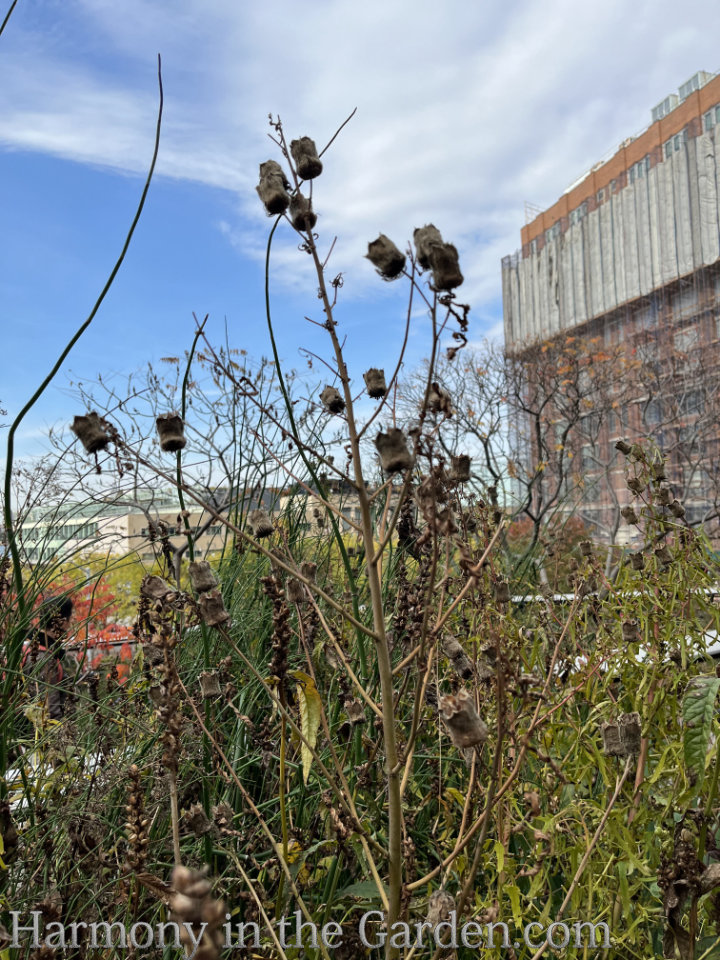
(500, 854)
(310, 712)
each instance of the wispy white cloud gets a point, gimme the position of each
(464, 111)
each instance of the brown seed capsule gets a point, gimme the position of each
(212, 608)
(630, 733)
(623, 446)
(586, 548)
(90, 432)
(635, 484)
(502, 591)
(171, 431)
(460, 469)
(273, 188)
(440, 906)
(295, 590)
(375, 383)
(460, 661)
(628, 514)
(663, 554)
(612, 745)
(664, 494)
(260, 523)
(637, 561)
(445, 267)
(426, 238)
(394, 454)
(462, 720)
(301, 213)
(308, 163)
(308, 569)
(355, 711)
(155, 588)
(201, 576)
(385, 257)
(438, 400)
(677, 509)
(209, 684)
(332, 401)
(630, 631)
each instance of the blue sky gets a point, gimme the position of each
(464, 112)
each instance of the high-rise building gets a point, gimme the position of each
(630, 255)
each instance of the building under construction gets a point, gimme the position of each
(630, 254)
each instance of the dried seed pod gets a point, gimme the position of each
(308, 569)
(375, 383)
(201, 576)
(438, 400)
(332, 401)
(295, 590)
(628, 514)
(426, 238)
(502, 591)
(355, 711)
(635, 484)
(586, 548)
(612, 744)
(664, 494)
(301, 213)
(460, 661)
(392, 447)
(440, 906)
(677, 509)
(209, 684)
(460, 469)
(90, 432)
(623, 446)
(196, 820)
(260, 523)
(663, 554)
(155, 588)
(630, 733)
(462, 721)
(273, 188)
(637, 561)
(171, 430)
(445, 264)
(630, 631)
(212, 608)
(385, 257)
(658, 471)
(308, 163)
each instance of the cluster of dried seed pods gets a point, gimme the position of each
(441, 258)
(622, 739)
(171, 430)
(394, 454)
(462, 720)
(91, 431)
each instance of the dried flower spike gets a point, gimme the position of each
(304, 153)
(301, 213)
(192, 903)
(394, 454)
(375, 383)
(91, 432)
(464, 725)
(171, 431)
(385, 257)
(273, 188)
(331, 400)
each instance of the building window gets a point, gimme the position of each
(691, 402)
(600, 195)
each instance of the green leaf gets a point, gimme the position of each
(310, 712)
(697, 708)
